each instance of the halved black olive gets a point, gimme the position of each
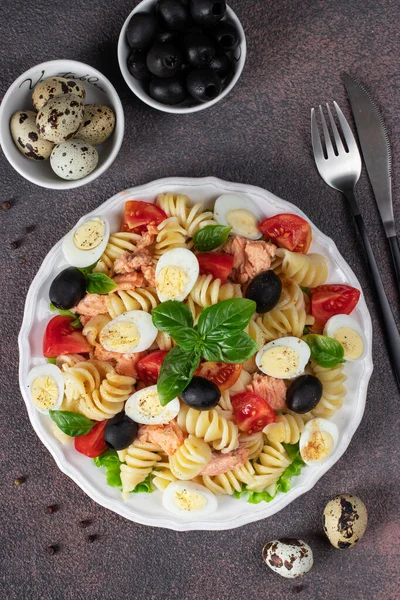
(201, 394)
(120, 431)
(141, 31)
(304, 394)
(68, 288)
(265, 289)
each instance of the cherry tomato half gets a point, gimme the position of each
(287, 231)
(329, 300)
(92, 444)
(224, 375)
(217, 264)
(61, 338)
(148, 367)
(138, 215)
(252, 413)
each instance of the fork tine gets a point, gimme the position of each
(347, 132)
(315, 137)
(338, 139)
(327, 137)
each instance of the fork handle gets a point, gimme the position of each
(395, 250)
(389, 324)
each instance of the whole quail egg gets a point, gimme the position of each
(289, 557)
(97, 125)
(73, 159)
(60, 118)
(345, 520)
(26, 138)
(55, 86)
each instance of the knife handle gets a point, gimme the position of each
(389, 324)
(395, 250)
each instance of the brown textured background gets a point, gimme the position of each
(258, 135)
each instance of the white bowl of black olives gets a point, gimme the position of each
(181, 56)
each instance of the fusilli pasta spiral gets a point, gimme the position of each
(164, 341)
(333, 392)
(211, 426)
(163, 476)
(170, 235)
(136, 299)
(94, 389)
(191, 217)
(139, 459)
(208, 291)
(309, 270)
(118, 243)
(94, 327)
(269, 466)
(286, 429)
(231, 481)
(190, 458)
(254, 442)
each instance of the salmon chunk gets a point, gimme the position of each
(249, 258)
(91, 306)
(128, 281)
(148, 237)
(271, 389)
(125, 364)
(169, 437)
(222, 463)
(132, 261)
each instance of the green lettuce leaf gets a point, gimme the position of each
(111, 464)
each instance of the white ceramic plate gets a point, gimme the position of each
(147, 508)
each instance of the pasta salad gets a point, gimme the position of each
(196, 352)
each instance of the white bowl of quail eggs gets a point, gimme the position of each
(61, 124)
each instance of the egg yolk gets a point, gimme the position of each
(318, 447)
(90, 234)
(171, 281)
(243, 222)
(120, 337)
(189, 500)
(44, 392)
(280, 361)
(149, 404)
(351, 341)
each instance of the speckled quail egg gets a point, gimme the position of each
(60, 118)
(189, 500)
(318, 441)
(132, 331)
(348, 332)
(55, 86)
(176, 274)
(345, 520)
(46, 386)
(84, 245)
(26, 138)
(144, 407)
(284, 358)
(97, 125)
(289, 557)
(73, 159)
(240, 213)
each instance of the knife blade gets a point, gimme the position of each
(375, 148)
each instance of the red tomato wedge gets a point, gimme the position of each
(148, 367)
(61, 338)
(224, 375)
(287, 231)
(138, 215)
(92, 444)
(252, 413)
(329, 300)
(217, 264)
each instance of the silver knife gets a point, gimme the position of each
(375, 148)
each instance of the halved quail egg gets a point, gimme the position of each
(144, 407)
(46, 387)
(348, 332)
(84, 245)
(132, 331)
(189, 500)
(284, 358)
(240, 213)
(318, 441)
(176, 274)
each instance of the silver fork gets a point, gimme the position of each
(340, 168)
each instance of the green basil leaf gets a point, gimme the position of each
(87, 270)
(71, 423)
(171, 315)
(67, 313)
(185, 337)
(325, 351)
(112, 465)
(233, 349)
(226, 317)
(176, 373)
(211, 237)
(306, 290)
(98, 283)
(306, 331)
(52, 361)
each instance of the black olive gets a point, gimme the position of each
(207, 12)
(141, 31)
(265, 289)
(173, 14)
(203, 84)
(201, 394)
(304, 394)
(226, 36)
(164, 60)
(167, 36)
(168, 91)
(120, 431)
(199, 49)
(137, 65)
(222, 65)
(68, 288)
